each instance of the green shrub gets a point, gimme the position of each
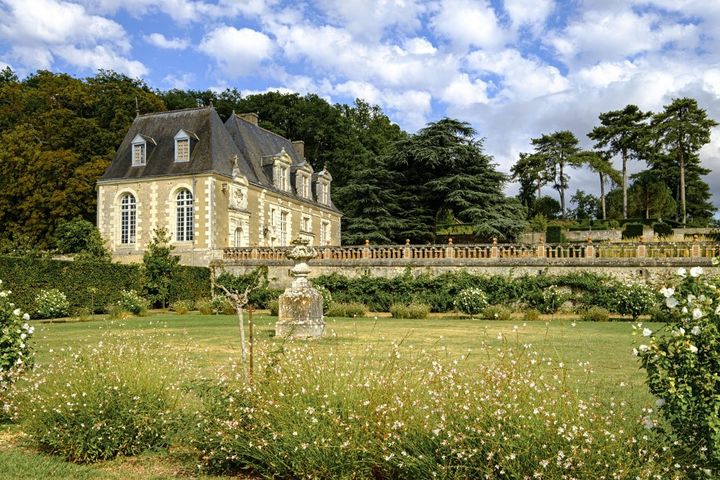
(632, 230)
(132, 302)
(413, 310)
(497, 312)
(204, 306)
(116, 397)
(16, 355)
(635, 300)
(351, 309)
(90, 284)
(274, 308)
(662, 229)
(552, 299)
(181, 307)
(471, 301)
(553, 234)
(683, 366)
(51, 303)
(595, 314)
(221, 304)
(531, 315)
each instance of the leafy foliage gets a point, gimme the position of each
(51, 303)
(635, 300)
(159, 267)
(81, 237)
(682, 365)
(16, 355)
(471, 301)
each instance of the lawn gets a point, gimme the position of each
(595, 357)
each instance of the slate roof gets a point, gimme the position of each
(214, 151)
(217, 146)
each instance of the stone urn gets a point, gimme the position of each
(300, 307)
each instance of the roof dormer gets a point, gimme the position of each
(184, 141)
(281, 164)
(323, 179)
(140, 149)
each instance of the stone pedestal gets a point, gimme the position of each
(300, 307)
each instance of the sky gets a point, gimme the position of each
(513, 69)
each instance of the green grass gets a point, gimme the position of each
(597, 358)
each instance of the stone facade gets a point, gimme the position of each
(230, 184)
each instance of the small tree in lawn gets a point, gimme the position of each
(232, 286)
(159, 267)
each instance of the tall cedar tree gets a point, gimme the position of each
(445, 175)
(558, 150)
(680, 130)
(623, 132)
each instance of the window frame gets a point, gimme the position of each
(184, 216)
(128, 219)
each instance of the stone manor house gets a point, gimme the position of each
(213, 185)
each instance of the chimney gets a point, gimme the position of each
(249, 117)
(299, 147)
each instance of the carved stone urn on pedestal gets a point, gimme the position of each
(300, 307)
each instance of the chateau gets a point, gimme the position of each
(212, 185)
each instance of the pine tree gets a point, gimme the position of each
(558, 150)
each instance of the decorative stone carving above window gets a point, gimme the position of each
(238, 199)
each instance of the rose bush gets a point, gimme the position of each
(683, 365)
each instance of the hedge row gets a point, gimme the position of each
(89, 284)
(378, 293)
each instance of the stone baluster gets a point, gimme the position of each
(590, 249)
(641, 249)
(450, 249)
(366, 250)
(695, 249)
(540, 251)
(407, 252)
(494, 252)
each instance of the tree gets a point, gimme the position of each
(159, 267)
(558, 150)
(444, 174)
(81, 237)
(530, 171)
(599, 162)
(622, 132)
(548, 207)
(679, 131)
(585, 205)
(650, 197)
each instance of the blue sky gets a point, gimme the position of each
(514, 69)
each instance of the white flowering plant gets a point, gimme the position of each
(51, 303)
(635, 300)
(683, 364)
(15, 353)
(471, 301)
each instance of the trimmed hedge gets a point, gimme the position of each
(662, 229)
(439, 291)
(632, 230)
(88, 283)
(553, 234)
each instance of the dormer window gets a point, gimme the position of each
(182, 146)
(322, 187)
(281, 175)
(139, 151)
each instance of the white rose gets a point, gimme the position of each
(660, 402)
(693, 349)
(667, 292)
(682, 272)
(696, 271)
(671, 302)
(17, 312)
(695, 330)
(643, 348)
(647, 332)
(697, 313)
(26, 316)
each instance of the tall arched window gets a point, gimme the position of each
(128, 219)
(238, 237)
(184, 230)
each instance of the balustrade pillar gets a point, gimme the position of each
(407, 253)
(366, 250)
(540, 251)
(695, 249)
(641, 249)
(450, 249)
(494, 253)
(590, 249)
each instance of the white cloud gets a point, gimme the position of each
(419, 46)
(605, 73)
(528, 12)
(101, 57)
(521, 78)
(464, 91)
(160, 41)
(42, 32)
(469, 23)
(369, 19)
(181, 82)
(183, 11)
(238, 52)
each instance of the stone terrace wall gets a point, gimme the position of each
(627, 261)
